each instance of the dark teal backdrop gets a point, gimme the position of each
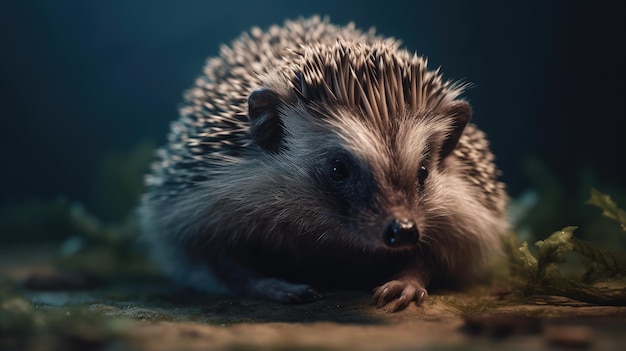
(82, 78)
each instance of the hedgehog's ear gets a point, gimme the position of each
(460, 113)
(266, 127)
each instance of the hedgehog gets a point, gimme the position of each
(312, 156)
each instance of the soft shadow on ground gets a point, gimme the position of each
(42, 308)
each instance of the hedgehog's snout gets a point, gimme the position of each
(401, 233)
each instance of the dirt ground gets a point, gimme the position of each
(44, 309)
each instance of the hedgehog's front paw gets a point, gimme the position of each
(282, 291)
(402, 291)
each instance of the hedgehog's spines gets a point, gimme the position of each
(325, 64)
(376, 78)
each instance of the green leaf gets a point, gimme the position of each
(551, 251)
(608, 206)
(602, 263)
(556, 245)
(529, 262)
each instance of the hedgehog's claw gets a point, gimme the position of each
(402, 291)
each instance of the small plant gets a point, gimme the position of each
(608, 206)
(542, 273)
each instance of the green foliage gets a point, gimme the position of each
(544, 270)
(543, 275)
(117, 189)
(552, 251)
(608, 206)
(119, 181)
(36, 220)
(26, 326)
(530, 266)
(87, 243)
(103, 249)
(552, 203)
(110, 247)
(601, 263)
(119, 235)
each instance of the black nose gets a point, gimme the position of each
(401, 233)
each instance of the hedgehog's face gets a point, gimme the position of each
(371, 180)
(362, 201)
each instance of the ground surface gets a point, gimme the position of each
(43, 309)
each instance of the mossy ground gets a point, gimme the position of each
(144, 312)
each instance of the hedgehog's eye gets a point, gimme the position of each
(338, 170)
(422, 174)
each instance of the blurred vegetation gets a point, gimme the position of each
(550, 204)
(28, 326)
(87, 244)
(599, 276)
(119, 182)
(36, 221)
(563, 264)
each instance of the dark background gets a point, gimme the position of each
(82, 79)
